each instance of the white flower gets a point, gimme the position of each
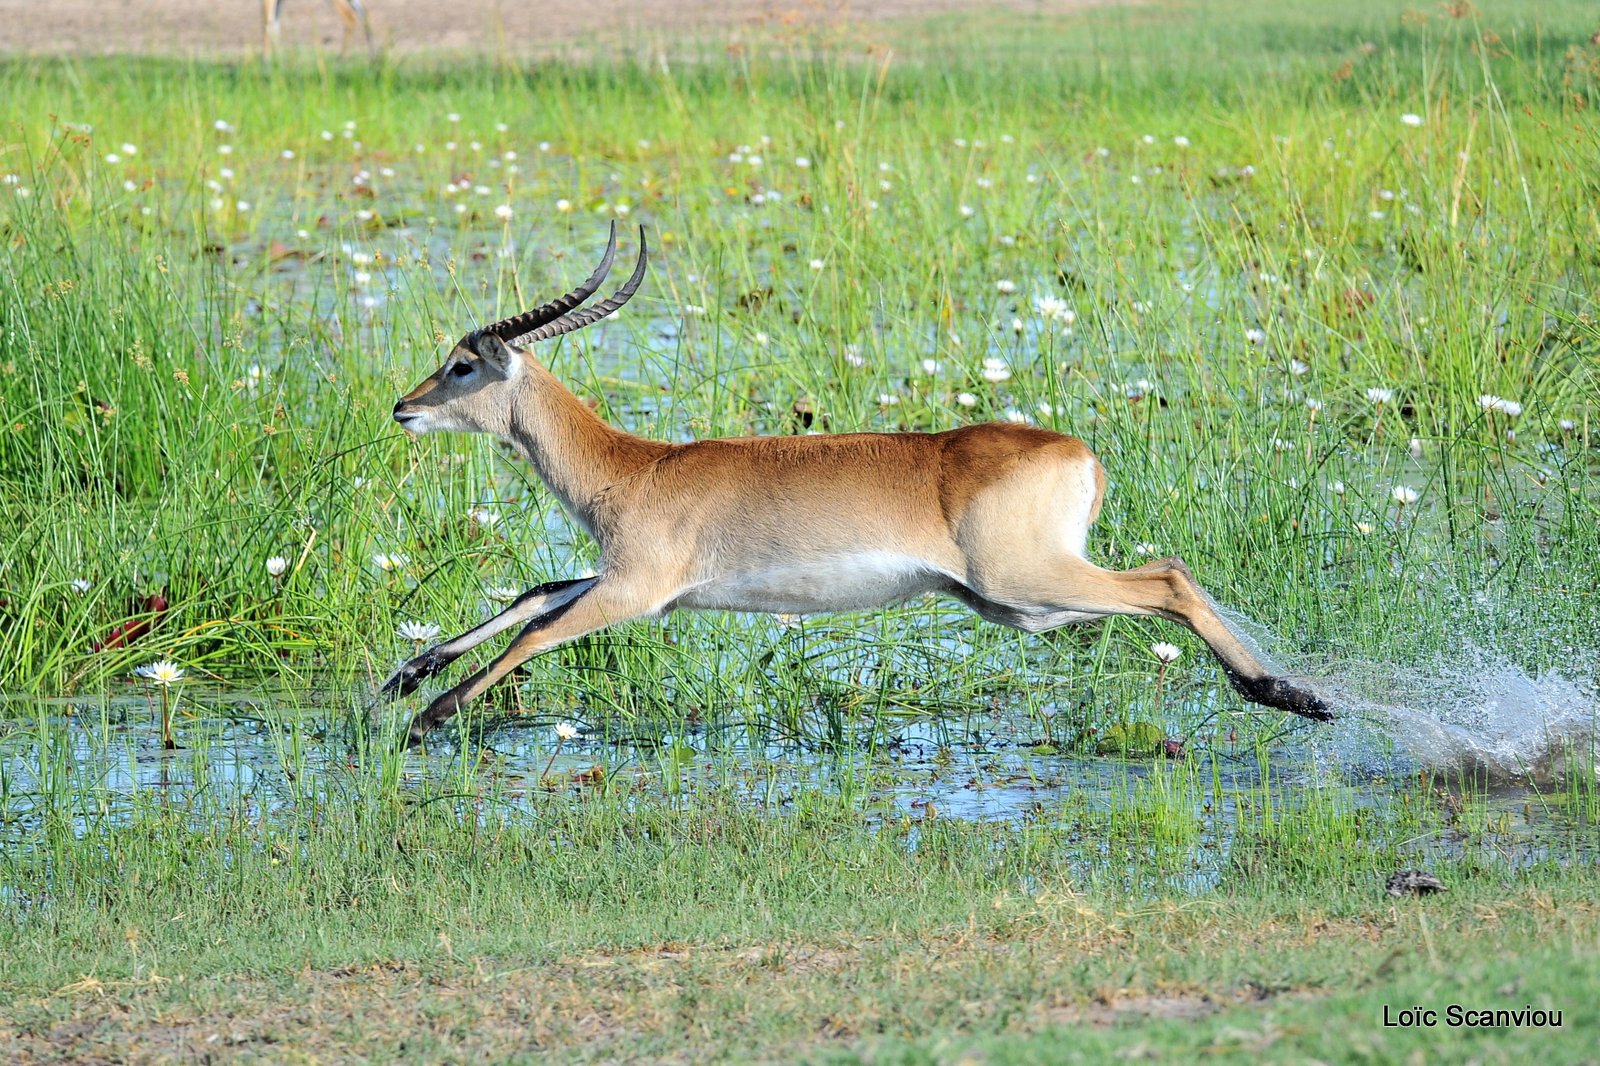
(483, 516)
(1510, 408)
(1055, 308)
(1411, 119)
(504, 212)
(1337, 488)
(1415, 448)
(277, 565)
(802, 162)
(995, 370)
(453, 117)
(161, 673)
(762, 339)
(887, 399)
(1256, 337)
(1146, 548)
(1313, 404)
(967, 212)
(1567, 425)
(817, 264)
(502, 593)
(113, 158)
(563, 206)
(1135, 390)
(1006, 285)
(930, 366)
(388, 563)
(1404, 495)
(1363, 528)
(417, 631)
(966, 399)
(566, 731)
(1379, 395)
(222, 125)
(80, 585)
(1167, 653)
(1017, 327)
(1181, 141)
(1296, 367)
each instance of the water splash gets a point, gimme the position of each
(1482, 716)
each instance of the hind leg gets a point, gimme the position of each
(1068, 585)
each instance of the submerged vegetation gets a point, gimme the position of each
(1320, 292)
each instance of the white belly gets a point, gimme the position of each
(842, 583)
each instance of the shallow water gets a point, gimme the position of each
(1521, 739)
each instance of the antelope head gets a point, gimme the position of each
(472, 392)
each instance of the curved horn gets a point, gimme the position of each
(519, 325)
(589, 315)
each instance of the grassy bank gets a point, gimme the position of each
(719, 932)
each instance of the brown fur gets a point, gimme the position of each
(992, 514)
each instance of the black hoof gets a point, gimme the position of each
(1286, 695)
(404, 681)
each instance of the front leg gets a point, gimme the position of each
(597, 605)
(538, 600)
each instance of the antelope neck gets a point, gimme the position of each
(575, 452)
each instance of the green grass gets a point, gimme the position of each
(196, 374)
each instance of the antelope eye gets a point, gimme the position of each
(460, 370)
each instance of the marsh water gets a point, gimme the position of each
(1495, 759)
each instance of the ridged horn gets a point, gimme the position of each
(508, 329)
(590, 315)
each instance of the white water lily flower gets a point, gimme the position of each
(1146, 548)
(1410, 118)
(1005, 286)
(966, 399)
(388, 563)
(1167, 653)
(502, 593)
(418, 631)
(1404, 495)
(566, 731)
(1055, 309)
(995, 370)
(162, 672)
(277, 565)
(1380, 395)
(80, 585)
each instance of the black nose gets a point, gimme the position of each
(399, 405)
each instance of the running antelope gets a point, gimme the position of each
(995, 515)
(351, 14)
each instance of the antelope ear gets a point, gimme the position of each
(494, 351)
